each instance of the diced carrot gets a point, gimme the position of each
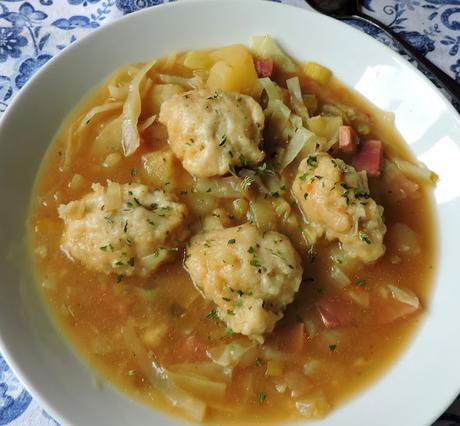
(348, 139)
(369, 157)
(293, 338)
(309, 187)
(264, 67)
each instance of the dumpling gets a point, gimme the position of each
(211, 131)
(251, 276)
(123, 229)
(335, 200)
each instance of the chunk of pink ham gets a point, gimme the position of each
(369, 157)
(264, 67)
(348, 139)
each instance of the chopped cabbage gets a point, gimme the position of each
(159, 378)
(418, 172)
(111, 106)
(297, 102)
(229, 355)
(304, 140)
(131, 111)
(265, 47)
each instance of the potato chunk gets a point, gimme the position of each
(336, 202)
(211, 131)
(123, 229)
(249, 275)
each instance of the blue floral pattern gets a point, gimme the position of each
(32, 32)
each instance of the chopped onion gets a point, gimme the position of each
(404, 296)
(406, 240)
(339, 276)
(313, 407)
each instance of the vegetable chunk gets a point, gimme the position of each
(212, 131)
(249, 275)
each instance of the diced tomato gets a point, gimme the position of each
(334, 312)
(293, 338)
(264, 67)
(194, 349)
(369, 157)
(348, 139)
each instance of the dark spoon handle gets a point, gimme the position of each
(445, 81)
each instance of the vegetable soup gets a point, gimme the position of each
(233, 236)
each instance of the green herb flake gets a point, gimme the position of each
(103, 248)
(259, 362)
(332, 348)
(108, 220)
(251, 250)
(223, 140)
(132, 372)
(131, 262)
(312, 161)
(255, 262)
(262, 398)
(230, 312)
(125, 227)
(120, 278)
(242, 160)
(232, 241)
(228, 331)
(239, 303)
(364, 237)
(212, 314)
(361, 282)
(133, 172)
(304, 176)
(150, 222)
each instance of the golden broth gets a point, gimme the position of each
(91, 308)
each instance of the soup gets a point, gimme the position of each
(232, 236)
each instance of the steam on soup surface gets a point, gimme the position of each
(230, 235)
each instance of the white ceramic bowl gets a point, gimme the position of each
(416, 389)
